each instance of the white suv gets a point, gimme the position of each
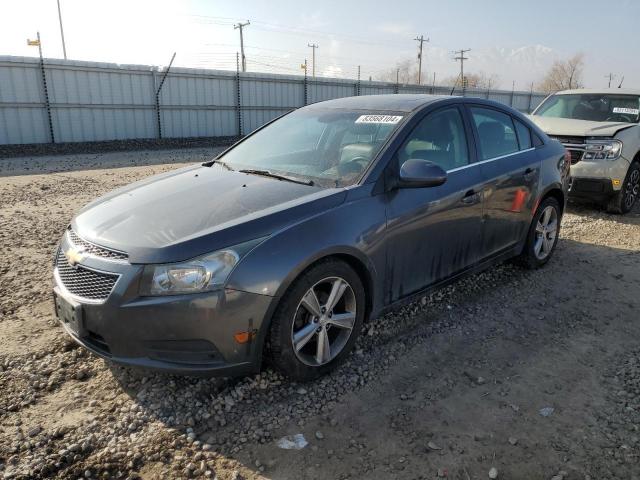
(601, 131)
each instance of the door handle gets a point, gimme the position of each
(471, 197)
(529, 173)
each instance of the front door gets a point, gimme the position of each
(434, 232)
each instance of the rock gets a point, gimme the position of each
(442, 472)
(546, 411)
(513, 440)
(493, 473)
(301, 391)
(434, 446)
(34, 431)
(319, 435)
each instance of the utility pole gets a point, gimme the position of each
(313, 59)
(420, 39)
(64, 47)
(611, 76)
(240, 26)
(461, 58)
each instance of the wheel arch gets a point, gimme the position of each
(556, 192)
(363, 268)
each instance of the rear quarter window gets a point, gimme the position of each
(524, 135)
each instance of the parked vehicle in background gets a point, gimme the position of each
(601, 131)
(289, 240)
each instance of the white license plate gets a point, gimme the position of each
(68, 312)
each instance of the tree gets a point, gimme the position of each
(405, 73)
(563, 75)
(480, 80)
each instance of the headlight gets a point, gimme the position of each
(202, 274)
(602, 150)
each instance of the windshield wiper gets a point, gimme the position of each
(219, 162)
(267, 173)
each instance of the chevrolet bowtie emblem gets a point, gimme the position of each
(74, 255)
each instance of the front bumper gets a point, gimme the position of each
(186, 334)
(588, 188)
(602, 170)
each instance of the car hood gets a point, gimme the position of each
(578, 128)
(195, 210)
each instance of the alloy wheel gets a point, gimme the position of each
(632, 189)
(323, 321)
(546, 233)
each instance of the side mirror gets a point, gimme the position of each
(416, 173)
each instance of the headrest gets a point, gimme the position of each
(491, 132)
(436, 131)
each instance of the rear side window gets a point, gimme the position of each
(495, 131)
(524, 135)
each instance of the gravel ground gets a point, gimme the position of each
(506, 374)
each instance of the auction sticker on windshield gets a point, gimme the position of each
(379, 119)
(629, 111)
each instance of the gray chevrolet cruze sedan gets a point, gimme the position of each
(282, 246)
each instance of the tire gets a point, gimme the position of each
(623, 201)
(294, 317)
(531, 256)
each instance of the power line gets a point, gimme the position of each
(313, 58)
(240, 26)
(64, 47)
(421, 40)
(461, 58)
(611, 76)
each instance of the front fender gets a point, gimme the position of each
(355, 228)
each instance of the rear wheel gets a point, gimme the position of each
(623, 201)
(317, 321)
(543, 234)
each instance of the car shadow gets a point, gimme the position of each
(596, 211)
(229, 415)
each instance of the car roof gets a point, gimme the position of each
(390, 102)
(601, 91)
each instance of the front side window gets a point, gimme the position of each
(592, 107)
(332, 147)
(439, 138)
(495, 132)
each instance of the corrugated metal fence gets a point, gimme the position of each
(92, 101)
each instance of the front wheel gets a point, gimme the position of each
(317, 321)
(543, 234)
(623, 201)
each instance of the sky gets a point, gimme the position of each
(515, 40)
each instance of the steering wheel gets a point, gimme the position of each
(625, 118)
(355, 165)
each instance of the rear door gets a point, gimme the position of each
(511, 168)
(434, 232)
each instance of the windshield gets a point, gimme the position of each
(330, 146)
(593, 107)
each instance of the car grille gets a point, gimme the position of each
(575, 145)
(96, 250)
(84, 282)
(576, 156)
